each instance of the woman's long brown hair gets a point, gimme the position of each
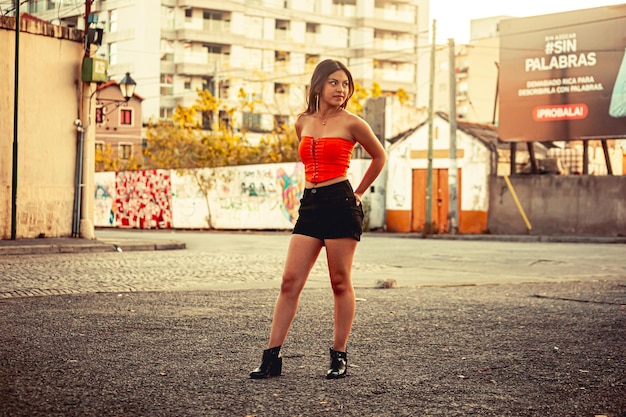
(319, 77)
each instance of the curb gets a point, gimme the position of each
(99, 246)
(511, 238)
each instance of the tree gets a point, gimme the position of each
(106, 159)
(182, 143)
(403, 96)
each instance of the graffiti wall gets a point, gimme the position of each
(104, 204)
(244, 197)
(256, 196)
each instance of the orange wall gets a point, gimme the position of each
(398, 221)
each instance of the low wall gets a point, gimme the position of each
(559, 205)
(253, 197)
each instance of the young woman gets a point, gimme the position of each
(330, 211)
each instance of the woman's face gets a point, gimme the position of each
(336, 88)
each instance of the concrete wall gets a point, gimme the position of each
(411, 154)
(48, 100)
(559, 205)
(252, 197)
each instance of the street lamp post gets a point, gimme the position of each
(85, 168)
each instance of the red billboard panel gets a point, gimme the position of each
(563, 76)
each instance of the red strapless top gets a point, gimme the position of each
(325, 158)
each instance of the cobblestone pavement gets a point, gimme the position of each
(477, 328)
(254, 260)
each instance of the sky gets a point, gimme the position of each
(453, 16)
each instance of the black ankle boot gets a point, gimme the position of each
(338, 364)
(271, 365)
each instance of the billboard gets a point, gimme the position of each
(563, 76)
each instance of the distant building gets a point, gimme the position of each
(259, 52)
(476, 69)
(118, 124)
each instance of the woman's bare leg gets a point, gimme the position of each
(340, 254)
(301, 256)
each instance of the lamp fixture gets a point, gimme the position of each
(127, 86)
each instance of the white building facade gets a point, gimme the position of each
(255, 54)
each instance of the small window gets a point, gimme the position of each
(312, 28)
(281, 56)
(188, 13)
(311, 59)
(112, 21)
(280, 122)
(252, 122)
(125, 150)
(100, 114)
(207, 120)
(166, 112)
(187, 85)
(126, 117)
(281, 88)
(224, 89)
(224, 119)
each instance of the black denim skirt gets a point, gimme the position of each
(330, 212)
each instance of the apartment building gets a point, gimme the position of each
(254, 55)
(476, 73)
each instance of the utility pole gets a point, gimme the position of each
(88, 113)
(453, 196)
(15, 122)
(429, 178)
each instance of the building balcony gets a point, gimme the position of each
(394, 45)
(387, 25)
(403, 57)
(405, 16)
(202, 4)
(201, 35)
(389, 74)
(201, 63)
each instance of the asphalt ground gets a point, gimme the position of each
(530, 347)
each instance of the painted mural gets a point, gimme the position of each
(244, 197)
(255, 197)
(143, 199)
(104, 202)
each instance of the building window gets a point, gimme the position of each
(112, 53)
(112, 21)
(100, 114)
(282, 29)
(224, 120)
(311, 59)
(280, 122)
(224, 89)
(251, 122)
(166, 112)
(281, 88)
(281, 56)
(99, 147)
(188, 13)
(207, 120)
(167, 50)
(313, 28)
(126, 117)
(187, 85)
(167, 17)
(125, 150)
